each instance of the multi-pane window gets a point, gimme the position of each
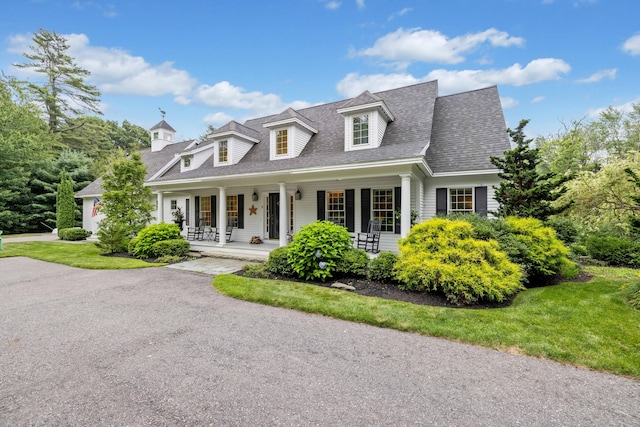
(223, 151)
(156, 135)
(383, 208)
(461, 199)
(335, 207)
(232, 210)
(205, 212)
(361, 130)
(168, 136)
(282, 143)
(174, 204)
(187, 161)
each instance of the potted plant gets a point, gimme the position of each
(178, 217)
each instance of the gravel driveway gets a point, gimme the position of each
(159, 347)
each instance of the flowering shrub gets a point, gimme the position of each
(316, 249)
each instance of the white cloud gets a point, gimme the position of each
(399, 14)
(508, 102)
(632, 45)
(116, 71)
(416, 44)
(538, 99)
(217, 118)
(600, 75)
(360, 4)
(458, 81)
(225, 95)
(332, 5)
(626, 108)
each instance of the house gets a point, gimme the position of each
(371, 156)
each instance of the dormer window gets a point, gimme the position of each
(156, 135)
(223, 151)
(361, 130)
(187, 161)
(168, 136)
(282, 142)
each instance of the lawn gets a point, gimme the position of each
(82, 255)
(584, 324)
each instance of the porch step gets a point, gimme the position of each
(233, 253)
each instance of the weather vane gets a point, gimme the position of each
(162, 112)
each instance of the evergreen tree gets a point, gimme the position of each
(524, 191)
(65, 203)
(64, 94)
(125, 203)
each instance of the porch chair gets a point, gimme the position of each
(209, 233)
(192, 233)
(370, 240)
(228, 232)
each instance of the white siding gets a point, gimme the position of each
(300, 138)
(456, 182)
(381, 128)
(238, 149)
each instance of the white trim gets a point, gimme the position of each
(195, 151)
(285, 122)
(232, 133)
(379, 105)
(466, 173)
(169, 165)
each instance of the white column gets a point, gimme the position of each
(284, 210)
(405, 206)
(222, 217)
(160, 207)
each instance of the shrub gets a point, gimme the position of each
(113, 237)
(564, 227)
(632, 295)
(73, 234)
(354, 262)
(442, 255)
(316, 249)
(381, 267)
(616, 251)
(168, 259)
(546, 256)
(174, 247)
(142, 245)
(259, 271)
(278, 262)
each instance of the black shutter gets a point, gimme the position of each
(365, 208)
(397, 202)
(350, 202)
(186, 211)
(240, 210)
(481, 201)
(197, 208)
(441, 201)
(321, 199)
(214, 212)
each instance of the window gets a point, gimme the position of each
(156, 135)
(205, 212)
(232, 210)
(168, 136)
(383, 208)
(282, 146)
(187, 161)
(335, 207)
(361, 130)
(174, 204)
(461, 200)
(222, 151)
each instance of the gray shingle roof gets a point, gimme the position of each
(163, 125)
(364, 98)
(234, 126)
(468, 128)
(290, 113)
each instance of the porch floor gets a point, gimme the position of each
(235, 250)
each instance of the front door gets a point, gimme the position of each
(273, 216)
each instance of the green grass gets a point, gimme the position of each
(583, 324)
(82, 255)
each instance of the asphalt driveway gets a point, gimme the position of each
(160, 347)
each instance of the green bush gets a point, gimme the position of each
(316, 249)
(113, 237)
(173, 247)
(565, 228)
(142, 245)
(616, 251)
(259, 271)
(443, 255)
(73, 234)
(354, 263)
(381, 268)
(278, 262)
(632, 295)
(546, 256)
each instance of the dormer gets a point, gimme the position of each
(365, 121)
(289, 133)
(231, 142)
(195, 156)
(162, 135)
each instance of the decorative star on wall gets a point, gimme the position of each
(253, 210)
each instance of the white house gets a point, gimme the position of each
(404, 149)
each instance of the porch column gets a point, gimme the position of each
(405, 205)
(284, 220)
(160, 207)
(222, 217)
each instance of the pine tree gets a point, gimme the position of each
(524, 191)
(65, 93)
(65, 203)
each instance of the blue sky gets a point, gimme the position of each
(208, 62)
